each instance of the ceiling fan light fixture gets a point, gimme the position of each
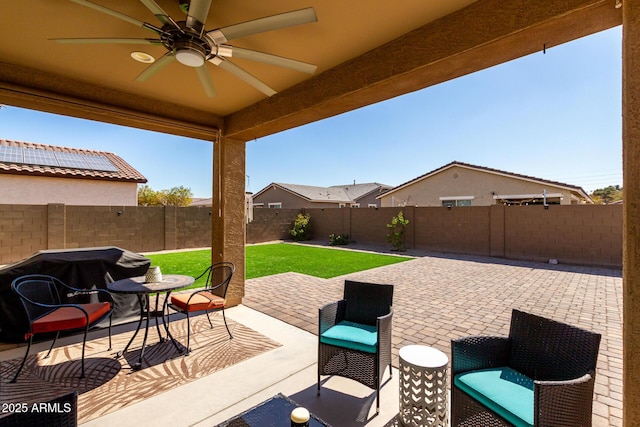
(190, 57)
(143, 57)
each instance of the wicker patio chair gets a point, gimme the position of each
(355, 335)
(211, 299)
(47, 312)
(542, 374)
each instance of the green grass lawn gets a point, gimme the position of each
(265, 260)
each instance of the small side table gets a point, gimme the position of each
(423, 387)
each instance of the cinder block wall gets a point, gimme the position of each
(23, 231)
(129, 227)
(455, 230)
(589, 235)
(193, 227)
(585, 235)
(270, 224)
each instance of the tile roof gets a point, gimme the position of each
(125, 172)
(356, 191)
(319, 194)
(347, 193)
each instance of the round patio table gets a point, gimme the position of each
(143, 290)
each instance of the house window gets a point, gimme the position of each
(355, 205)
(456, 201)
(341, 205)
(372, 205)
(277, 205)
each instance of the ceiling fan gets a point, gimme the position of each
(189, 43)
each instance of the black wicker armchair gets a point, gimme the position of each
(542, 374)
(211, 299)
(48, 312)
(355, 335)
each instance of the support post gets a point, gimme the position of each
(631, 210)
(228, 211)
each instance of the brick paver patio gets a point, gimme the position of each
(440, 297)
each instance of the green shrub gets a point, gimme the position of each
(396, 231)
(338, 239)
(301, 227)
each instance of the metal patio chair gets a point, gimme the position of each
(47, 312)
(211, 299)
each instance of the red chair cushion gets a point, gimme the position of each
(199, 302)
(66, 318)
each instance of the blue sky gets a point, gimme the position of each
(555, 116)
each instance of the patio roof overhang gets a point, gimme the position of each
(382, 62)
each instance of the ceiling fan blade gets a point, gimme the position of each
(159, 12)
(239, 52)
(198, 12)
(205, 79)
(109, 41)
(242, 74)
(118, 15)
(155, 67)
(269, 23)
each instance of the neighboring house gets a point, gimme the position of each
(294, 196)
(37, 174)
(462, 184)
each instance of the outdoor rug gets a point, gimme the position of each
(110, 383)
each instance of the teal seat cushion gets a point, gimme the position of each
(354, 336)
(505, 391)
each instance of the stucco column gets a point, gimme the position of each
(228, 211)
(631, 210)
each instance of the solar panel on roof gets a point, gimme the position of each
(11, 154)
(34, 156)
(71, 160)
(100, 163)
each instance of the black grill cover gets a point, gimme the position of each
(81, 268)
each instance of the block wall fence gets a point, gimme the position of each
(582, 235)
(572, 234)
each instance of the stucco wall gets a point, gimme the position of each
(30, 190)
(459, 181)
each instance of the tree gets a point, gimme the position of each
(147, 196)
(607, 195)
(175, 196)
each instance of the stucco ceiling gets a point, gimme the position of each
(365, 50)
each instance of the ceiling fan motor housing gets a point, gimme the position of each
(190, 47)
